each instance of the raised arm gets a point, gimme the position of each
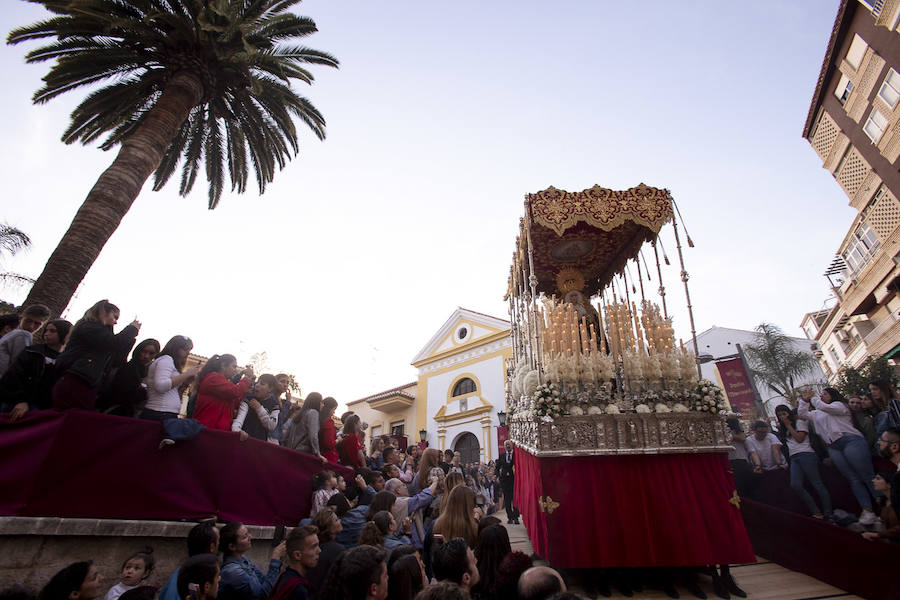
(835, 408)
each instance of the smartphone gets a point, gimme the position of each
(279, 535)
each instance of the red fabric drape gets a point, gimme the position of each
(833, 554)
(621, 511)
(84, 464)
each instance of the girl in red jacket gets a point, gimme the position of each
(217, 397)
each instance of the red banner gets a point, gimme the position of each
(502, 436)
(737, 385)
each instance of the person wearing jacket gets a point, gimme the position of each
(91, 351)
(258, 413)
(217, 396)
(302, 430)
(240, 578)
(412, 507)
(27, 383)
(127, 392)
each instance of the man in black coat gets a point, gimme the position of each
(506, 474)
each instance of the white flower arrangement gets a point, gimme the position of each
(530, 383)
(662, 408)
(708, 397)
(642, 408)
(548, 402)
(594, 410)
(679, 408)
(612, 409)
(576, 410)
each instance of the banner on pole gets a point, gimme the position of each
(737, 386)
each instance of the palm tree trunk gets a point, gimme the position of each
(113, 194)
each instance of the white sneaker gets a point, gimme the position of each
(867, 517)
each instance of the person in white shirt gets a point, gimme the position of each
(767, 448)
(804, 461)
(165, 378)
(846, 445)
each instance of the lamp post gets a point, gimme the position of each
(422, 434)
(502, 430)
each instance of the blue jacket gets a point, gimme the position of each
(352, 523)
(241, 580)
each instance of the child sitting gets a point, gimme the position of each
(325, 485)
(135, 570)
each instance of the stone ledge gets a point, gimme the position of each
(64, 526)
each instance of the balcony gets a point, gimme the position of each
(884, 337)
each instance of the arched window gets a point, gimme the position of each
(463, 387)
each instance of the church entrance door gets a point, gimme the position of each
(468, 448)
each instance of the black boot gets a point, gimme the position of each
(720, 587)
(731, 585)
(694, 588)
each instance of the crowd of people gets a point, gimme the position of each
(413, 522)
(374, 537)
(859, 436)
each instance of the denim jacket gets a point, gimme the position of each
(242, 580)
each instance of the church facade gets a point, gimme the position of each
(459, 390)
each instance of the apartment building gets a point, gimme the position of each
(854, 127)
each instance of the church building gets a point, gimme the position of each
(458, 393)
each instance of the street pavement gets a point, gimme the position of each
(762, 580)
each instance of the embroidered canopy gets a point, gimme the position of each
(594, 232)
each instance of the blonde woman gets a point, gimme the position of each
(91, 351)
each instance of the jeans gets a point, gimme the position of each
(805, 466)
(851, 456)
(155, 415)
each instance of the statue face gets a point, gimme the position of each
(575, 297)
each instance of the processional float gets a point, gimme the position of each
(623, 446)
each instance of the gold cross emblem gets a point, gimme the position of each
(548, 505)
(735, 499)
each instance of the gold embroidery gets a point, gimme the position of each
(548, 505)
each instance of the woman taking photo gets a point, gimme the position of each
(91, 351)
(350, 449)
(846, 445)
(165, 380)
(327, 430)
(794, 434)
(217, 396)
(431, 458)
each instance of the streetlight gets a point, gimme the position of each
(422, 434)
(501, 416)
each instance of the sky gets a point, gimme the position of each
(441, 118)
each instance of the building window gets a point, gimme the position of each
(397, 428)
(834, 355)
(862, 247)
(856, 52)
(843, 89)
(463, 387)
(875, 125)
(376, 431)
(890, 89)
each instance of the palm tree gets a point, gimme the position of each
(776, 361)
(184, 81)
(12, 240)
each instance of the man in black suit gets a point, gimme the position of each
(506, 474)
